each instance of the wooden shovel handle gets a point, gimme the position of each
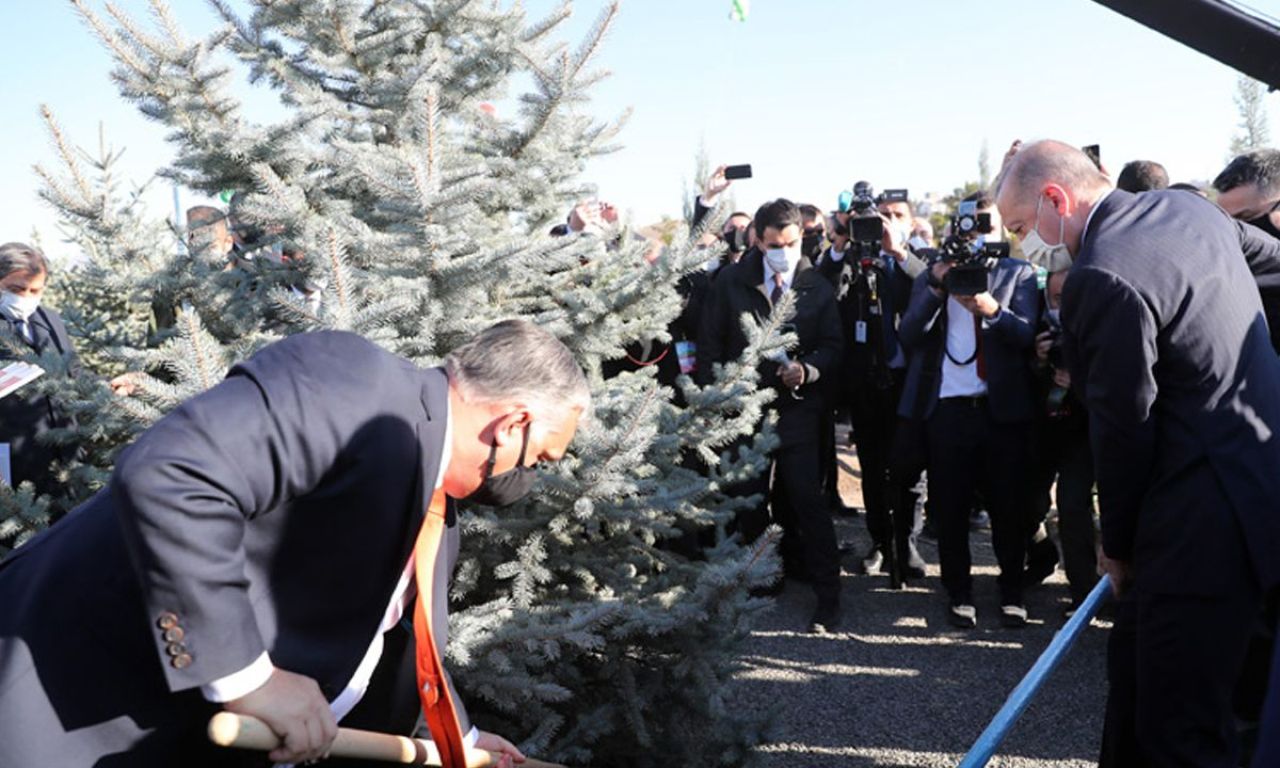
(227, 729)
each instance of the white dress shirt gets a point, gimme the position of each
(961, 341)
(256, 674)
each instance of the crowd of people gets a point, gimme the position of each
(1129, 354)
(1034, 345)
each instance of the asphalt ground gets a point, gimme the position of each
(896, 685)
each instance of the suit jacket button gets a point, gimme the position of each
(174, 635)
(181, 661)
(167, 620)
(176, 649)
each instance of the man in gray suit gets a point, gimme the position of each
(254, 551)
(1165, 333)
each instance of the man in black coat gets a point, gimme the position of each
(253, 551)
(872, 279)
(27, 327)
(1166, 335)
(753, 287)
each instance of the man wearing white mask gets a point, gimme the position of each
(1164, 333)
(754, 286)
(25, 328)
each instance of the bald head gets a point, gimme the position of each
(1050, 162)
(1045, 194)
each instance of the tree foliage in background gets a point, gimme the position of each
(424, 149)
(1251, 106)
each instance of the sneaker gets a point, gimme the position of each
(825, 619)
(1013, 616)
(963, 615)
(873, 561)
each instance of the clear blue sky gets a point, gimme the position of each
(814, 93)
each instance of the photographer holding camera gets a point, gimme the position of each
(1062, 454)
(872, 269)
(969, 329)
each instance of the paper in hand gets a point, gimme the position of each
(16, 375)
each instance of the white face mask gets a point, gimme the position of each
(1054, 258)
(18, 307)
(902, 233)
(783, 260)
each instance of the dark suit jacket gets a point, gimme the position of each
(24, 415)
(735, 292)
(1167, 338)
(1006, 344)
(274, 512)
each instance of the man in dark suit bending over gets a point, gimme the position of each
(1165, 332)
(255, 551)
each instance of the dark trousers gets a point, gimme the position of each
(969, 451)
(796, 502)
(1268, 753)
(1172, 663)
(830, 463)
(873, 415)
(1062, 452)
(908, 458)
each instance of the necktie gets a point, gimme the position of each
(978, 358)
(20, 327)
(433, 686)
(776, 296)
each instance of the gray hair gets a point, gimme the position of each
(20, 257)
(516, 360)
(1259, 167)
(1050, 161)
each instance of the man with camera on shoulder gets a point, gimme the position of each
(968, 330)
(872, 269)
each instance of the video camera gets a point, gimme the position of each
(966, 250)
(865, 229)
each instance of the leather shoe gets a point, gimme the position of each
(825, 619)
(963, 615)
(1042, 561)
(1013, 616)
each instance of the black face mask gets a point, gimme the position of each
(811, 245)
(1265, 224)
(508, 487)
(736, 239)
